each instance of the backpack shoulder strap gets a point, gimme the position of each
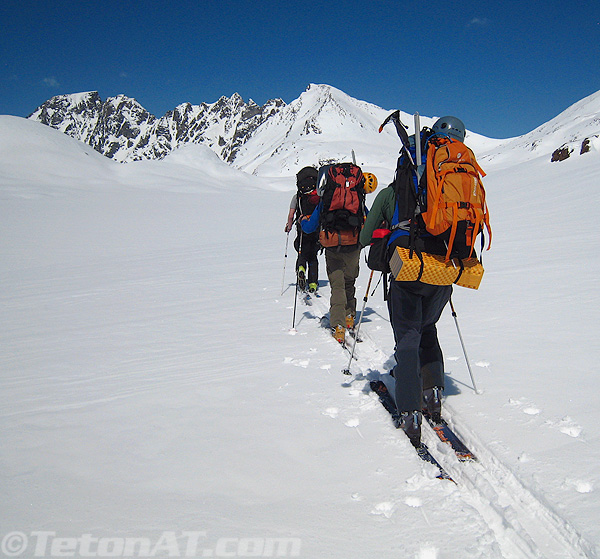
(434, 190)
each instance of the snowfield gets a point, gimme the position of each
(154, 387)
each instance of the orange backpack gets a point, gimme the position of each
(455, 192)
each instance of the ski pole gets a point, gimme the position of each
(285, 260)
(462, 343)
(295, 304)
(346, 371)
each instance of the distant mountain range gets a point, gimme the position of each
(122, 129)
(274, 139)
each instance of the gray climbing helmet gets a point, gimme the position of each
(450, 126)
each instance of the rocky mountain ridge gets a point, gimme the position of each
(121, 129)
(276, 138)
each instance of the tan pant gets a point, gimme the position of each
(342, 271)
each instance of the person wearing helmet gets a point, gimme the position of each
(414, 307)
(370, 183)
(303, 203)
(451, 127)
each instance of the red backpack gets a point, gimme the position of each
(343, 198)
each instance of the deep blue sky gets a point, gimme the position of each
(502, 67)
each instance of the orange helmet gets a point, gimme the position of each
(370, 182)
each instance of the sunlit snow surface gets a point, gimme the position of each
(150, 385)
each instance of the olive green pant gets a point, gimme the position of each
(342, 271)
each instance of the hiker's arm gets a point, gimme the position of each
(290, 220)
(374, 218)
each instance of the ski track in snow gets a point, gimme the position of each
(519, 519)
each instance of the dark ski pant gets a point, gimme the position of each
(342, 271)
(307, 255)
(415, 308)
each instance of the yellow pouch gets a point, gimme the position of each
(434, 270)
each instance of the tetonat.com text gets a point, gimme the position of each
(167, 544)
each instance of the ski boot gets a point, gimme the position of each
(432, 403)
(339, 333)
(301, 278)
(350, 322)
(410, 423)
(312, 287)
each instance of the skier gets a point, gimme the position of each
(415, 308)
(302, 205)
(340, 240)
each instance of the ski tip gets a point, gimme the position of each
(377, 385)
(424, 454)
(446, 475)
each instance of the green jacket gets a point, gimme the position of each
(382, 210)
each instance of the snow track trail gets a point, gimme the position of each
(523, 524)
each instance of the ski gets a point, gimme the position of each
(307, 297)
(426, 456)
(352, 334)
(448, 436)
(388, 403)
(347, 346)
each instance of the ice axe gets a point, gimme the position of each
(401, 130)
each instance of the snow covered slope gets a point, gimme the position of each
(151, 387)
(574, 132)
(32, 156)
(276, 139)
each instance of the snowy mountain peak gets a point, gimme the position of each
(323, 124)
(123, 130)
(74, 114)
